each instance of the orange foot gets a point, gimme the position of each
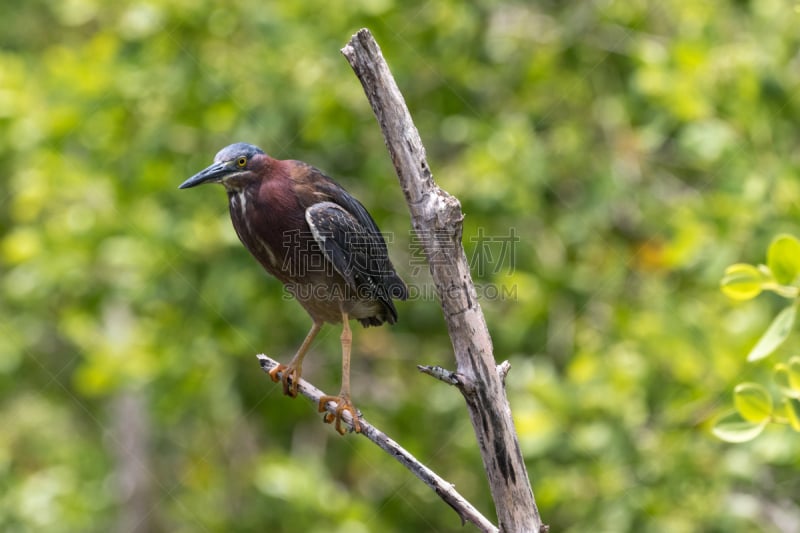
(343, 404)
(290, 376)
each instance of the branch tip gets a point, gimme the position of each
(502, 370)
(265, 362)
(442, 374)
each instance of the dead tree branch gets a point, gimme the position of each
(437, 219)
(443, 489)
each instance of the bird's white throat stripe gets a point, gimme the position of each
(270, 255)
(240, 202)
(241, 198)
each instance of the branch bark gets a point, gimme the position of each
(443, 489)
(437, 219)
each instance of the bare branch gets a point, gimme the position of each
(437, 219)
(443, 489)
(442, 374)
(452, 378)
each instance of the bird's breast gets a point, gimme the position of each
(273, 228)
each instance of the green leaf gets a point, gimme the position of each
(787, 377)
(753, 402)
(783, 259)
(742, 281)
(792, 407)
(781, 377)
(775, 335)
(794, 373)
(731, 427)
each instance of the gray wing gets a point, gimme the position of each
(357, 252)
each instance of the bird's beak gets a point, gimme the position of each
(212, 174)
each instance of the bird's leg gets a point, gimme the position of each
(343, 402)
(294, 369)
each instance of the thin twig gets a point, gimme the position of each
(442, 374)
(453, 378)
(443, 489)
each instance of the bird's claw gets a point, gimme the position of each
(343, 404)
(290, 377)
(273, 374)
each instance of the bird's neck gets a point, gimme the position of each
(266, 216)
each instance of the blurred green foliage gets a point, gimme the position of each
(635, 148)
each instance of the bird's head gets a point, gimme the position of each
(233, 166)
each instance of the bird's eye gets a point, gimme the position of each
(241, 161)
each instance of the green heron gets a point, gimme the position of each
(319, 241)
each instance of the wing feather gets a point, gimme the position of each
(357, 253)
